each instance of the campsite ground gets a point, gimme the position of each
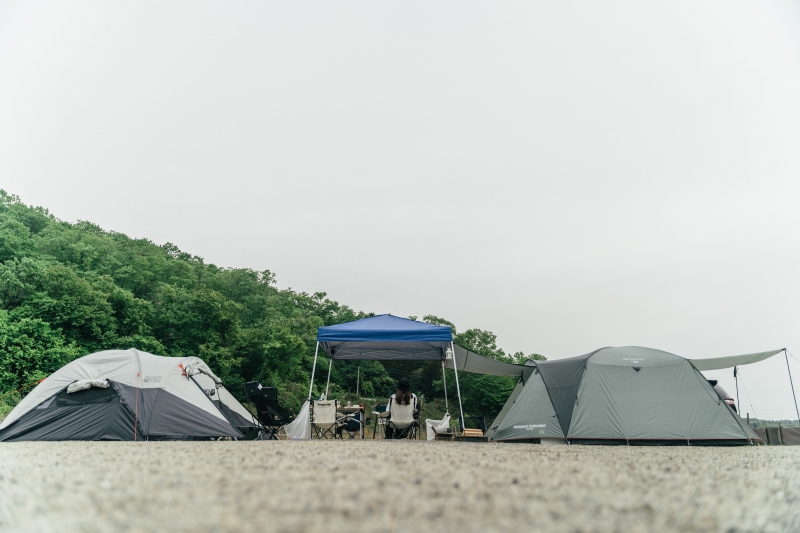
(395, 486)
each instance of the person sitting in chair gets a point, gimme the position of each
(403, 397)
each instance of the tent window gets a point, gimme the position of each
(92, 395)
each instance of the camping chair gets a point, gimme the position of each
(379, 420)
(268, 411)
(351, 426)
(437, 427)
(323, 418)
(402, 422)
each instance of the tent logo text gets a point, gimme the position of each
(530, 427)
(152, 379)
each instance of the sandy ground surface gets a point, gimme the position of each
(395, 486)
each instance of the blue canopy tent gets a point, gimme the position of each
(391, 338)
(385, 338)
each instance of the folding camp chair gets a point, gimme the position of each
(402, 422)
(269, 412)
(351, 426)
(323, 418)
(379, 419)
(438, 427)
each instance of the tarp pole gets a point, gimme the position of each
(792, 384)
(736, 379)
(313, 369)
(330, 365)
(444, 380)
(138, 379)
(458, 389)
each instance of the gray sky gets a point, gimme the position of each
(567, 175)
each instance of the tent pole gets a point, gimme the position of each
(444, 381)
(313, 369)
(736, 378)
(330, 365)
(792, 383)
(458, 389)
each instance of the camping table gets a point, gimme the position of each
(346, 413)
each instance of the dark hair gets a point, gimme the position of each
(403, 397)
(403, 394)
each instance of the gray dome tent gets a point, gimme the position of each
(628, 395)
(128, 395)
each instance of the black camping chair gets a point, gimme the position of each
(268, 411)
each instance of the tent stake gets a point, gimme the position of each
(330, 365)
(313, 369)
(458, 389)
(792, 383)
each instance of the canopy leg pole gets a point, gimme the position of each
(458, 389)
(444, 381)
(330, 365)
(313, 369)
(792, 383)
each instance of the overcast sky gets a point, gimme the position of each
(566, 175)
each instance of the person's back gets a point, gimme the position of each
(401, 408)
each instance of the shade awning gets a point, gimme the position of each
(469, 361)
(385, 338)
(717, 363)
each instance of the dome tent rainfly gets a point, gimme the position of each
(128, 395)
(626, 395)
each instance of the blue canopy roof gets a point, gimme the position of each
(385, 337)
(385, 328)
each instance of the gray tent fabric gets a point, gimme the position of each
(492, 430)
(531, 416)
(627, 395)
(149, 397)
(91, 414)
(164, 415)
(562, 378)
(718, 363)
(469, 361)
(665, 399)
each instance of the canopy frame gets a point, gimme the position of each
(388, 338)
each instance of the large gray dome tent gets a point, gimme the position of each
(627, 395)
(128, 395)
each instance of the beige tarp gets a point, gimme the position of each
(717, 363)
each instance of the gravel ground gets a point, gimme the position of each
(395, 486)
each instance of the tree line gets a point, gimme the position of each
(67, 290)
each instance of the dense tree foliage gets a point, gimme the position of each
(67, 290)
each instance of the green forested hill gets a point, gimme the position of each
(67, 290)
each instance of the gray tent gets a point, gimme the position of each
(128, 395)
(627, 395)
